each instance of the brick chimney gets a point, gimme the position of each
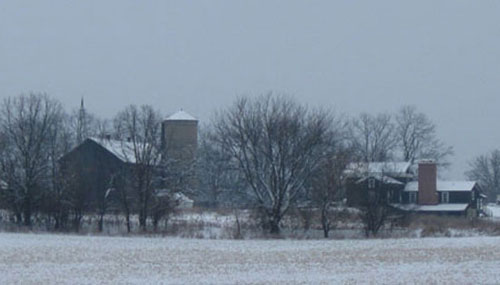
(427, 183)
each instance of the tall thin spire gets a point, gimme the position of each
(82, 123)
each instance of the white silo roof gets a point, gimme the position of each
(181, 116)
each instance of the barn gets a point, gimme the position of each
(100, 164)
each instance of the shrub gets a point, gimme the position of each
(433, 225)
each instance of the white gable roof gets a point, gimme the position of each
(445, 186)
(365, 168)
(382, 178)
(181, 116)
(121, 149)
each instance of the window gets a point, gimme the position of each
(389, 195)
(400, 197)
(445, 197)
(472, 195)
(371, 183)
(413, 197)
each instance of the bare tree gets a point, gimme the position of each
(327, 183)
(102, 202)
(141, 129)
(485, 169)
(278, 144)
(57, 202)
(416, 136)
(162, 208)
(27, 122)
(123, 187)
(372, 137)
(76, 189)
(220, 180)
(374, 212)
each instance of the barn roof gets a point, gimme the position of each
(181, 116)
(123, 150)
(445, 186)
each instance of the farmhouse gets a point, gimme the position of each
(410, 188)
(383, 178)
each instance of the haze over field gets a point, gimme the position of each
(442, 56)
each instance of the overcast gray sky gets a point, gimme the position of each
(354, 56)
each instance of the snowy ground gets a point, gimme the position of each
(65, 259)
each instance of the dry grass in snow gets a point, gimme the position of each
(65, 259)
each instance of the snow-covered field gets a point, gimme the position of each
(65, 259)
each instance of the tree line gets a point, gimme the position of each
(267, 152)
(285, 154)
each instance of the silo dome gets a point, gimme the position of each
(181, 116)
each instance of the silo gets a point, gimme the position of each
(180, 136)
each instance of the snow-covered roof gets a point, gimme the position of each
(445, 186)
(398, 168)
(383, 178)
(181, 197)
(181, 116)
(445, 207)
(175, 195)
(182, 200)
(122, 149)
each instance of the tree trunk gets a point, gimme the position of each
(325, 223)
(167, 218)
(57, 220)
(127, 219)
(237, 234)
(142, 220)
(156, 220)
(274, 224)
(100, 224)
(326, 231)
(126, 208)
(26, 210)
(76, 224)
(19, 218)
(275, 228)
(27, 215)
(77, 221)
